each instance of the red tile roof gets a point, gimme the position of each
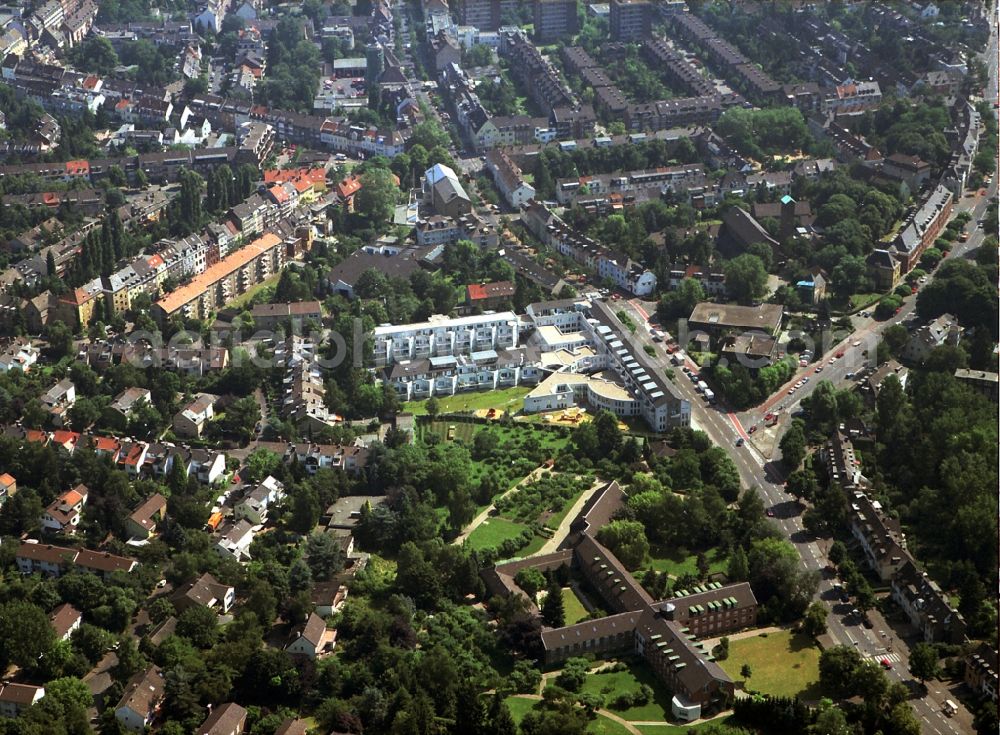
(349, 187)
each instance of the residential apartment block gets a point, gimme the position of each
(631, 20)
(555, 19)
(444, 337)
(230, 277)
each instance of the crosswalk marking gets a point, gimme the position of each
(891, 657)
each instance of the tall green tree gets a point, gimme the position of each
(746, 278)
(553, 612)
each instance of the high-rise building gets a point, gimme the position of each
(630, 19)
(483, 14)
(374, 63)
(555, 19)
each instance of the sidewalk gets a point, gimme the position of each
(562, 532)
(711, 643)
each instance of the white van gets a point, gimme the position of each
(949, 707)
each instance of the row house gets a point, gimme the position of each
(981, 667)
(315, 457)
(922, 228)
(624, 272)
(929, 608)
(161, 32)
(657, 181)
(712, 283)
(54, 561)
(674, 113)
(356, 139)
(852, 97)
(509, 179)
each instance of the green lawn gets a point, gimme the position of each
(494, 531)
(243, 298)
(610, 684)
(519, 707)
(507, 399)
(573, 607)
(783, 664)
(861, 300)
(674, 564)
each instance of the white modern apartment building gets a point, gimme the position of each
(441, 336)
(579, 353)
(447, 375)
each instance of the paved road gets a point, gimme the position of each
(762, 471)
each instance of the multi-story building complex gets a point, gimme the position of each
(652, 183)
(983, 382)
(444, 337)
(225, 280)
(623, 271)
(729, 62)
(663, 632)
(536, 73)
(441, 230)
(674, 113)
(555, 19)
(631, 20)
(483, 14)
(509, 180)
(853, 97)
(923, 227)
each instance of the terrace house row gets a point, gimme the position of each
(881, 538)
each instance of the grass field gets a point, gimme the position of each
(242, 299)
(861, 300)
(507, 399)
(783, 664)
(519, 707)
(674, 564)
(610, 684)
(573, 607)
(494, 531)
